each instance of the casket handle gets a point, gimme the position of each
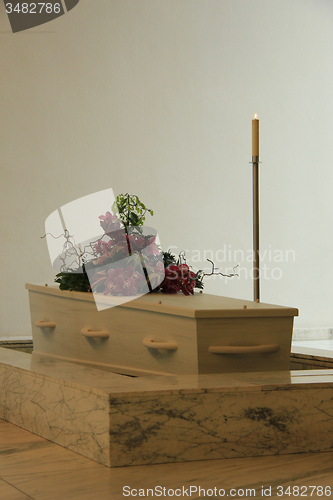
(45, 324)
(95, 334)
(243, 349)
(151, 344)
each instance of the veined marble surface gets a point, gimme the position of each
(212, 426)
(312, 354)
(118, 420)
(74, 419)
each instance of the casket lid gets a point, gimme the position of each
(199, 305)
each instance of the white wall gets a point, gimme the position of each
(156, 98)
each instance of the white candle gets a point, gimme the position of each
(255, 136)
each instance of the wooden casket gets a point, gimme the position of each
(161, 334)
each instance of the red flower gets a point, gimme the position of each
(178, 278)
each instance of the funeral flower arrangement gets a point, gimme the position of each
(126, 260)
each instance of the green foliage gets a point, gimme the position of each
(169, 258)
(198, 282)
(131, 210)
(76, 282)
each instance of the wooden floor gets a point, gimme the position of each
(33, 468)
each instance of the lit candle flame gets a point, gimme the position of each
(255, 116)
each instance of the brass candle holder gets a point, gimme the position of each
(256, 255)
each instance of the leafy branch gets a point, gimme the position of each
(132, 211)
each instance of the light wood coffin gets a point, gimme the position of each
(161, 334)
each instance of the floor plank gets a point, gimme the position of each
(21, 450)
(8, 492)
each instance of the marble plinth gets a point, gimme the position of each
(118, 420)
(310, 358)
(22, 345)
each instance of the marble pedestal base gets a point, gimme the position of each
(119, 421)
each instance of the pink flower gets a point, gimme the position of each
(136, 242)
(129, 270)
(151, 250)
(122, 282)
(101, 247)
(159, 268)
(109, 222)
(137, 276)
(118, 271)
